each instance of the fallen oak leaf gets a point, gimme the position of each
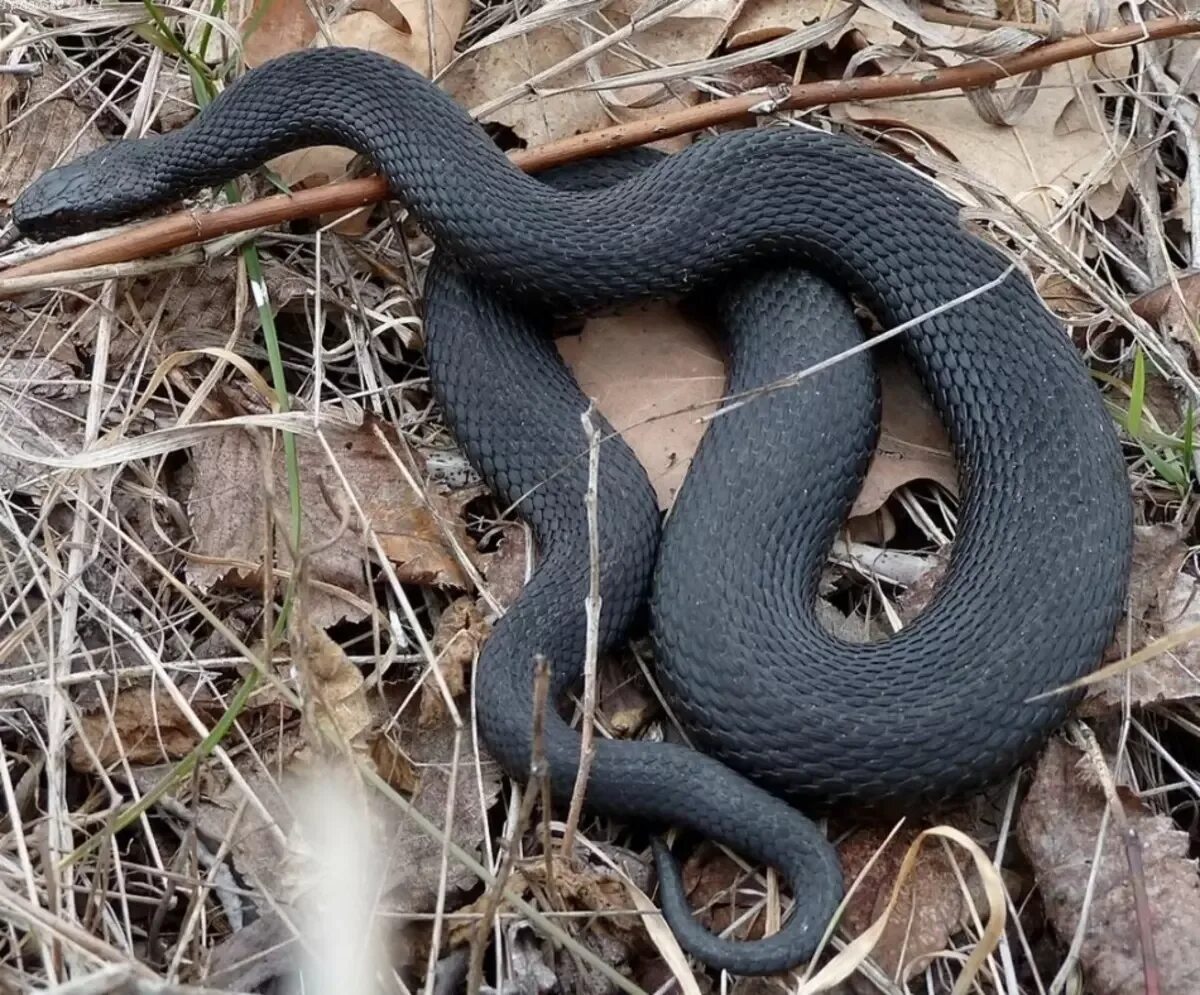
(847, 961)
(336, 712)
(930, 906)
(141, 725)
(1058, 828)
(1163, 600)
(654, 375)
(228, 507)
(461, 630)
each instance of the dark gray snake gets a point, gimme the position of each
(1039, 569)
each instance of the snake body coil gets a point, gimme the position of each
(1039, 568)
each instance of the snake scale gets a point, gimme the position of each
(769, 228)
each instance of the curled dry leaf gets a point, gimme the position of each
(1058, 829)
(461, 631)
(764, 20)
(617, 933)
(145, 727)
(931, 906)
(712, 881)
(1060, 141)
(504, 569)
(192, 308)
(1162, 600)
(337, 715)
(274, 28)
(228, 507)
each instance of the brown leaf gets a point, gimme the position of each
(1058, 828)
(336, 711)
(711, 880)
(487, 73)
(393, 766)
(557, 107)
(1162, 600)
(227, 506)
(42, 408)
(1058, 142)
(504, 570)
(931, 906)
(146, 727)
(193, 308)
(461, 631)
(764, 20)
(53, 129)
(645, 364)
(274, 28)
(624, 703)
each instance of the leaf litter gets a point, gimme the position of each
(113, 672)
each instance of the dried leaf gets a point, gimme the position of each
(393, 765)
(146, 727)
(336, 707)
(461, 631)
(930, 909)
(227, 507)
(494, 81)
(711, 880)
(504, 570)
(650, 363)
(53, 129)
(764, 20)
(192, 308)
(476, 81)
(42, 408)
(276, 27)
(1058, 828)
(1162, 600)
(1057, 143)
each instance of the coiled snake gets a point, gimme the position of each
(782, 711)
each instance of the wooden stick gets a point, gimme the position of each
(186, 227)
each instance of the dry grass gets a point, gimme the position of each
(116, 663)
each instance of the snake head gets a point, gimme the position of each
(79, 196)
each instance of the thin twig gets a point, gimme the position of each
(188, 227)
(592, 606)
(1133, 855)
(537, 773)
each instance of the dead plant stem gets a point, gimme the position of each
(592, 605)
(537, 773)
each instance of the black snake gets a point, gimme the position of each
(1039, 568)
